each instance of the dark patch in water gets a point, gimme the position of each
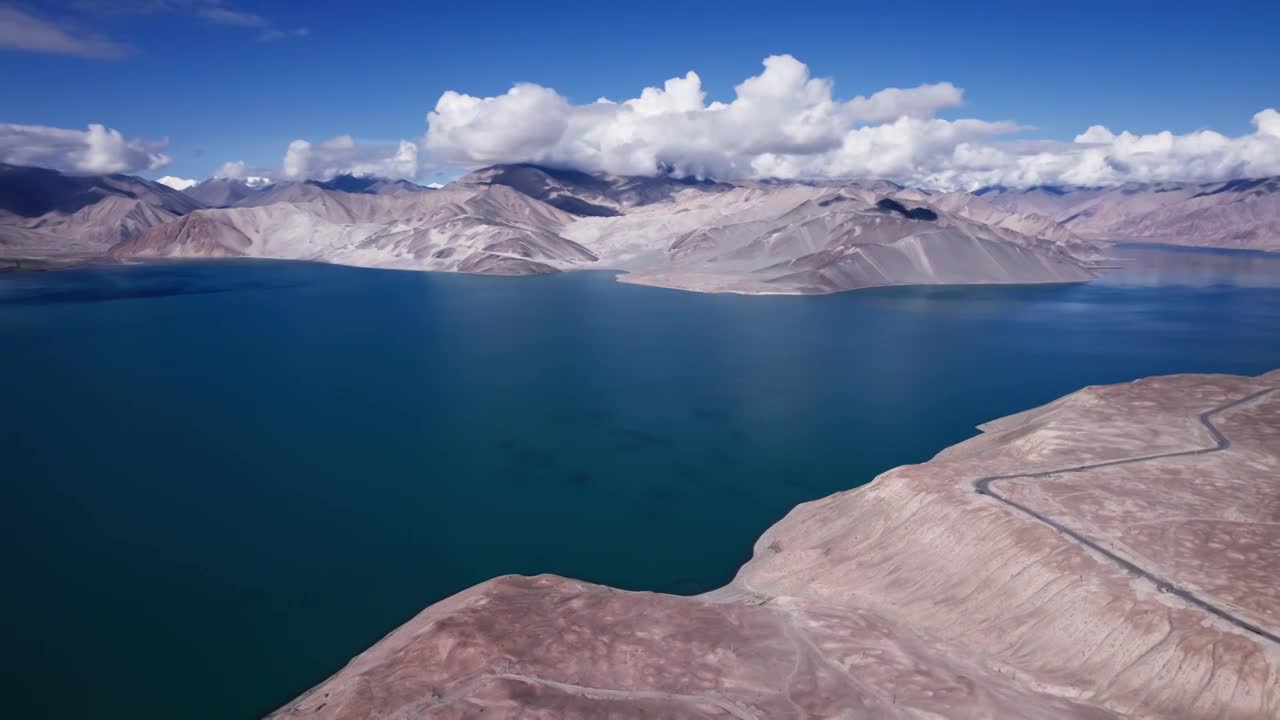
(684, 586)
(581, 416)
(735, 491)
(803, 482)
(707, 414)
(663, 495)
(533, 458)
(723, 455)
(629, 439)
(89, 293)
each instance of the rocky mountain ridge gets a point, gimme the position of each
(1236, 214)
(45, 213)
(755, 237)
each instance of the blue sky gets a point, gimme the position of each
(219, 90)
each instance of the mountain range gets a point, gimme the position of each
(759, 237)
(1240, 214)
(45, 213)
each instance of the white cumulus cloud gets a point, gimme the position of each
(343, 155)
(98, 149)
(1100, 157)
(783, 111)
(786, 123)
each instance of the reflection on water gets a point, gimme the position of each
(124, 282)
(1150, 265)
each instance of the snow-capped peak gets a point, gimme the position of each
(177, 183)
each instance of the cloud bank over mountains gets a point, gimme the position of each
(342, 154)
(777, 117)
(785, 123)
(781, 123)
(98, 149)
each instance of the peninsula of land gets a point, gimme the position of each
(1111, 554)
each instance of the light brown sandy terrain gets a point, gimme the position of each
(1111, 554)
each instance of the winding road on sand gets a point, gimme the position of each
(983, 487)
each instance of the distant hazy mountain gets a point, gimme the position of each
(1018, 221)
(747, 237)
(1235, 214)
(225, 192)
(238, 193)
(797, 238)
(368, 184)
(1046, 200)
(45, 213)
(763, 237)
(585, 194)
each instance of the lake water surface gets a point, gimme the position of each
(221, 480)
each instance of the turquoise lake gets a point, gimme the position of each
(224, 479)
